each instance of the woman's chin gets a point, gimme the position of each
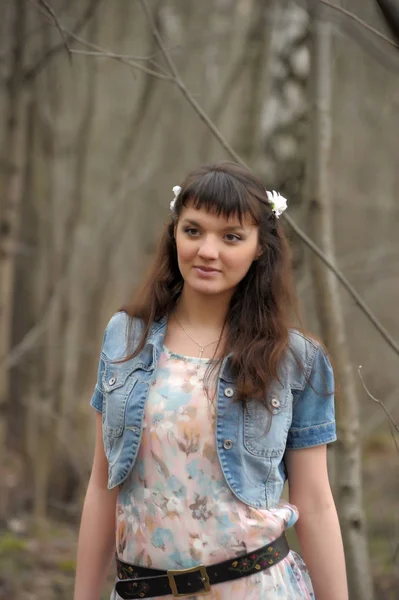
(205, 287)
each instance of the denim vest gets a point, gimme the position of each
(250, 441)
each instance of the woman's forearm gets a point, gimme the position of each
(320, 538)
(96, 546)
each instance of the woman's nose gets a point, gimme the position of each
(208, 249)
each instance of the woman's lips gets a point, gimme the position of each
(206, 271)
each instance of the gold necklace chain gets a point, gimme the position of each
(201, 348)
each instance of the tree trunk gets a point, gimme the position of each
(330, 312)
(254, 74)
(282, 160)
(10, 199)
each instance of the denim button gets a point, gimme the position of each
(111, 381)
(275, 402)
(229, 392)
(227, 444)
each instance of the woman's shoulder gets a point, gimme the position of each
(303, 343)
(117, 333)
(303, 350)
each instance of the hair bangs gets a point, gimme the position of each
(221, 194)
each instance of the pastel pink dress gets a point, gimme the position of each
(176, 510)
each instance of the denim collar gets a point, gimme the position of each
(155, 339)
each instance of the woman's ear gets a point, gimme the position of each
(259, 252)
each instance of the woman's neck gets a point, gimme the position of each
(206, 312)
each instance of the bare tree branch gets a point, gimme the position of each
(392, 429)
(390, 12)
(54, 19)
(129, 62)
(72, 35)
(178, 81)
(355, 295)
(360, 32)
(375, 420)
(118, 55)
(124, 57)
(31, 72)
(370, 395)
(359, 21)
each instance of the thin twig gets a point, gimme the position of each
(116, 55)
(370, 395)
(32, 71)
(341, 277)
(391, 427)
(53, 17)
(126, 57)
(375, 420)
(177, 79)
(44, 11)
(129, 62)
(359, 21)
(70, 35)
(359, 32)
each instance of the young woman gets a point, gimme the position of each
(207, 402)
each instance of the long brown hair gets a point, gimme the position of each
(263, 305)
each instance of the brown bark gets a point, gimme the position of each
(254, 66)
(10, 199)
(330, 312)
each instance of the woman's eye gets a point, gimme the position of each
(232, 237)
(191, 231)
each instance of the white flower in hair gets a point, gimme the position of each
(176, 191)
(277, 202)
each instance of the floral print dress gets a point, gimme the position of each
(176, 510)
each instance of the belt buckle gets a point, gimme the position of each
(204, 577)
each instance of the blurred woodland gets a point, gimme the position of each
(98, 123)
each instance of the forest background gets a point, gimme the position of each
(97, 127)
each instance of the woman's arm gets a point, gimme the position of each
(96, 545)
(317, 527)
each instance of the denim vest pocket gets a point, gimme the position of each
(266, 428)
(118, 381)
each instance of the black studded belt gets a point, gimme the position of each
(141, 582)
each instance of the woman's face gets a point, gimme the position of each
(214, 253)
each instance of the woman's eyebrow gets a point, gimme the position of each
(191, 222)
(229, 228)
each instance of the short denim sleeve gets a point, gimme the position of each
(313, 415)
(97, 397)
